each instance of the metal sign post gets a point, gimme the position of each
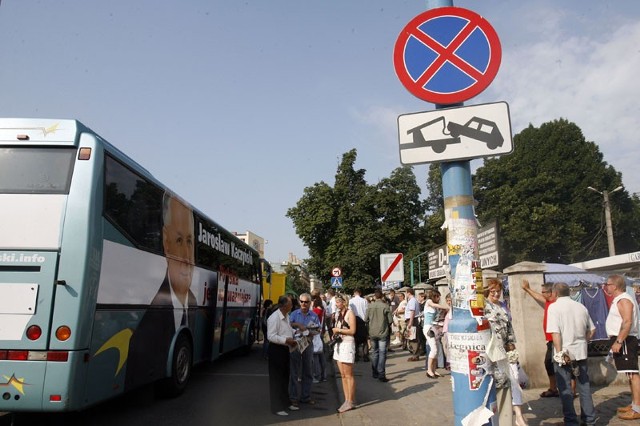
(448, 55)
(469, 334)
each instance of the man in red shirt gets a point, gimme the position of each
(545, 299)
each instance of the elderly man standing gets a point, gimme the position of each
(303, 319)
(379, 319)
(280, 335)
(571, 329)
(622, 328)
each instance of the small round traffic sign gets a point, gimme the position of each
(336, 272)
(447, 55)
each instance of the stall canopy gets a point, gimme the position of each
(572, 275)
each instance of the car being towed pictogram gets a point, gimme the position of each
(479, 129)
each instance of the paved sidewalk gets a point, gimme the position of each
(411, 398)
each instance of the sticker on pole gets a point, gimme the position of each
(447, 55)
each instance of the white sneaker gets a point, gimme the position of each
(282, 413)
(294, 408)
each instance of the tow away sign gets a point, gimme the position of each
(450, 134)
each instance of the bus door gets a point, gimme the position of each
(27, 289)
(221, 313)
(206, 323)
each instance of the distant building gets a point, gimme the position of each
(253, 240)
(309, 281)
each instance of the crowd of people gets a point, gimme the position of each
(299, 332)
(366, 329)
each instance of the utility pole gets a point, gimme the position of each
(607, 217)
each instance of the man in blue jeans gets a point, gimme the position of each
(379, 319)
(303, 319)
(571, 328)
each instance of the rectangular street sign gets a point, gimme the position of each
(458, 133)
(488, 245)
(438, 259)
(391, 267)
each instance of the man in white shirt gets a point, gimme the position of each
(358, 306)
(280, 335)
(622, 328)
(571, 329)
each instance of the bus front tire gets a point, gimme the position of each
(180, 369)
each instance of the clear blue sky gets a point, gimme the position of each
(240, 105)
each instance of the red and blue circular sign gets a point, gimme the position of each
(447, 55)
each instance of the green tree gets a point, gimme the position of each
(293, 281)
(356, 238)
(434, 206)
(539, 196)
(351, 224)
(315, 220)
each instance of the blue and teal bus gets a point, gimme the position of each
(108, 280)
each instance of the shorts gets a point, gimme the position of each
(345, 352)
(402, 326)
(626, 360)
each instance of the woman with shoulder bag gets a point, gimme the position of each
(433, 330)
(505, 376)
(344, 351)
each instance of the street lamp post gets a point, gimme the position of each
(607, 216)
(419, 267)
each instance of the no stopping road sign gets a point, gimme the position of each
(447, 55)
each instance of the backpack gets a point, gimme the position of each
(361, 331)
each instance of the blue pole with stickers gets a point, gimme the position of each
(474, 396)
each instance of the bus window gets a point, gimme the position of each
(36, 170)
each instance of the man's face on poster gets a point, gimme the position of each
(178, 241)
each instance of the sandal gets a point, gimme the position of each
(432, 376)
(549, 393)
(346, 407)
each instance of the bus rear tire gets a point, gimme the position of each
(251, 338)
(180, 369)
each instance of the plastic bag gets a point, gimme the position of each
(495, 352)
(523, 379)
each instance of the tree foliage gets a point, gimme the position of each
(352, 223)
(293, 281)
(539, 196)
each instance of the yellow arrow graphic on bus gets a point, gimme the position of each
(120, 341)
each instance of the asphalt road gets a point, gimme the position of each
(230, 391)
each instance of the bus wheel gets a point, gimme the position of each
(251, 338)
(180, 369)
